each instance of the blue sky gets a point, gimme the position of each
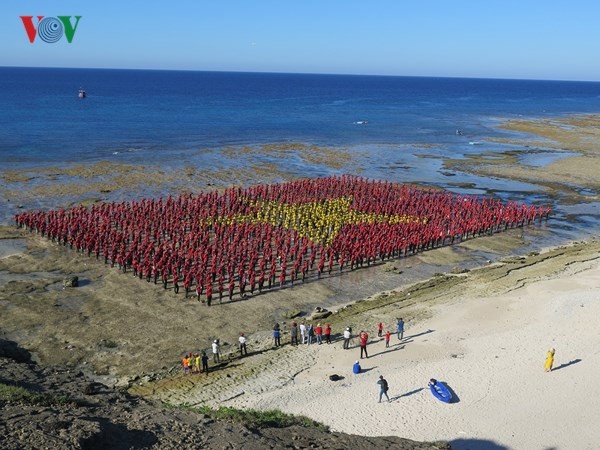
(490, 38)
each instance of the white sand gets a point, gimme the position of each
(491, 353)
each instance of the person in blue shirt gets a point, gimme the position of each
(277, 335)
(356, 367)
(400, 328)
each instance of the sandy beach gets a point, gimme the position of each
(484, 333)
(490, 350)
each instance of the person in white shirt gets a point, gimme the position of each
(242, 340)
(216, 351)
(303, 332)
(347, 337)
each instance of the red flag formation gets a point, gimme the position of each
(247, 240)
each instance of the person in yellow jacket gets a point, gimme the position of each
(196, 363)
(549, 361)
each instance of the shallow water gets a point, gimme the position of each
(9, 247)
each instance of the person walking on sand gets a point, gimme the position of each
(549, 361)
(400, 328)
(364, 339)
(379, 329)
(387, 339)
(383, 388)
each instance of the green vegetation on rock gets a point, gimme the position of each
(252, 418)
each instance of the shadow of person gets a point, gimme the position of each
(570, 363)
(476, 444)
(406, 394)
(418, 334)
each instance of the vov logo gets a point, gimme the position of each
(50, 29)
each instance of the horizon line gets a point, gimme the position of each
(301, 73)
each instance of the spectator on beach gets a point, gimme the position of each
(549, 361)
(387, 338)
(303, 332)
(319, 333)
(383, 388)
(294, 333)
(400, 328)
(277, 335)
(205, 362)
(364, 339)
(242, 340)
(310, 333)
(216, 350)
(185, 361)
(379, 329)
(356, 367)
(347, 337)
(196, 363)
(328, 333)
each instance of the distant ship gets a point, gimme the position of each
(361, 122)
(82, 93)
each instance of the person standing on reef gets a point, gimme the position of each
(383, 388)
(242, 340)
(364, 339)
(387, 339)
(549, 361)
(277, 335)
(379, 329)
(400, 328)
(347, 336)
(216, 351)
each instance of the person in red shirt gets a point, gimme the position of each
(379, 329)
(364, 339)
(328, 333)
(319, 333)
(387, 339)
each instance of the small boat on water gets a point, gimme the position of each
(82, 93)
(440, 390)
(361, 122)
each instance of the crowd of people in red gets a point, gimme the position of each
(239, 241)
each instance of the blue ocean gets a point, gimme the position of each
(160, 112)
(167, 117)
